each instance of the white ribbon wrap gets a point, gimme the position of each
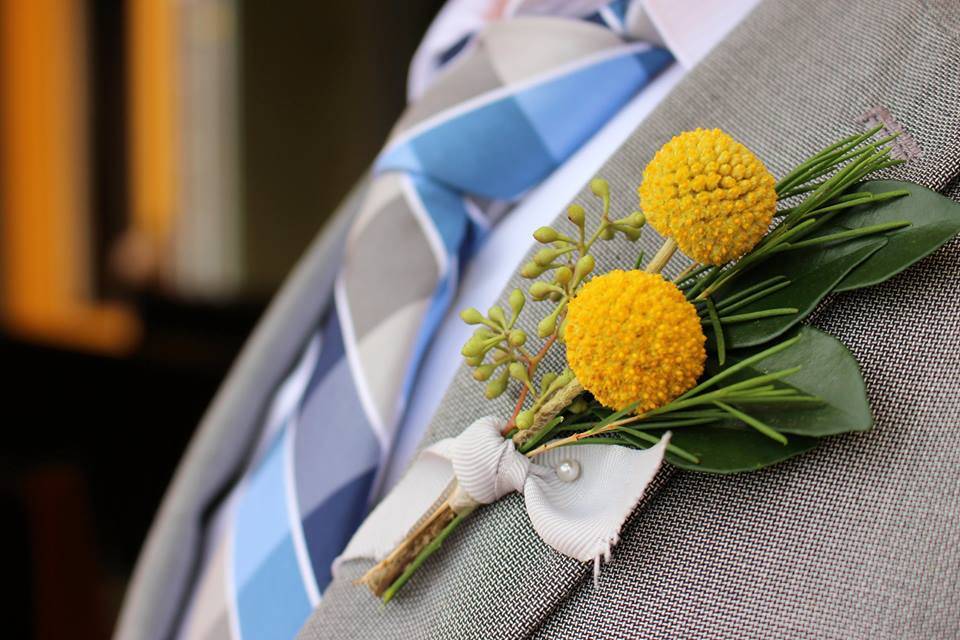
(580, 518)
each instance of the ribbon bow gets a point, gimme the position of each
(577, 498)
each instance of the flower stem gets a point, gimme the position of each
(425, 553)
(662, 257)
(531, 365)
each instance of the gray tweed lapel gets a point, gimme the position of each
(790, 79)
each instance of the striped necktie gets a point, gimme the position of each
(513, 105)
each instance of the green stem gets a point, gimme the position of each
(651, 439)
(828, 157)
(756, 381)
(740, 295)
(801, 169)
(865, 197)
(717, 332)
(667, 424)
(847, 235)
(425, 553)
(753, 298)
(743, 364)
(746, 418)
(662, 257)
(704, 281)
(758, 315)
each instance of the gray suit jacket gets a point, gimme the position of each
(857, 538)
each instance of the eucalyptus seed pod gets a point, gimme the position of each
(473, 348)
(517, 338)
(517, 300)
(548, 325)
(636, 219)
(496, 314)
(576, 214)
(600, 187)
(632, 233)
(471, 316)
(583, 268)
(608, 233)
(484, 371)
(497, 386)
(547, 380)
(546, 235)
(563, 275)
(544, 257)
(518, 372)
(556, 296)
(539, 290)
(531, 270)
(557, 383)
(474, 361)
(482, 333)
(524, 419)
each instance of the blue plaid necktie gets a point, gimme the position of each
(518, 100)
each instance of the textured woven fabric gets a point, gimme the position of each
(485, 133)
(858, 538)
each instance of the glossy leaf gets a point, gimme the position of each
(829, 372)
(934, 220)
(732, 448)
(813, 273)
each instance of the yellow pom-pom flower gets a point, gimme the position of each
(709, 193)
(633, 337)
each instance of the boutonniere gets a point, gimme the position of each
(710, 371)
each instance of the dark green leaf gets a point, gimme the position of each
(731, 448)
(813, 273)
(934, 220)
(828, 372)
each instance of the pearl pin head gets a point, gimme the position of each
(568, 470)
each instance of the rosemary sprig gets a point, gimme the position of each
(845, 163)
(717, 331)
(676, 414)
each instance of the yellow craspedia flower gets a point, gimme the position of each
(632, 336)
(710, 194)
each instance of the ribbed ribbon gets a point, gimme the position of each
(580, 518)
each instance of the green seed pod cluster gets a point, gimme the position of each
(494, 342)
(558, 269)
(567, 259)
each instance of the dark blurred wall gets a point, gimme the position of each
(93, 439)
(322, 83)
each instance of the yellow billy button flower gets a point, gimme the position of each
(633, 337)
(710, 194)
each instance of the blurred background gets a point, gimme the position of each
(163, 164)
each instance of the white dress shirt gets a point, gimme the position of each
(689, 29)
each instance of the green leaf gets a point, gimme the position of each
(812, 272)
(934, 220)
(732, 448)
(828, 371)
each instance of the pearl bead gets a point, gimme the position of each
(568, 470)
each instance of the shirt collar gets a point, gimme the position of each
(688, 28)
